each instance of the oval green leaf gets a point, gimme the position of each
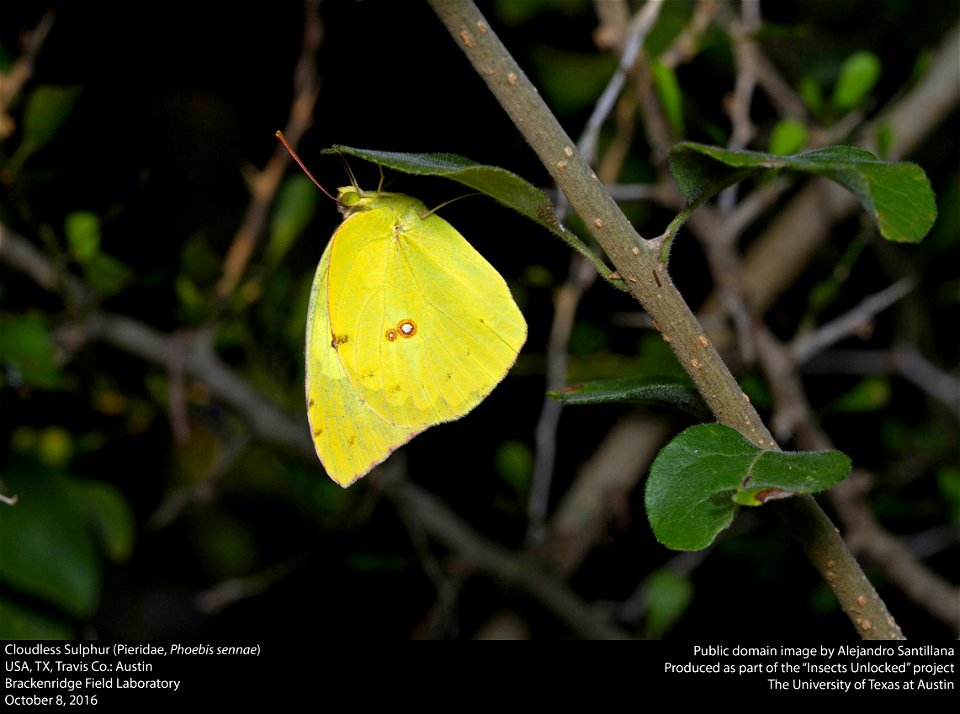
(672, 392)
(699, 480)
(897, 195)
(857, 78)
(294, 208)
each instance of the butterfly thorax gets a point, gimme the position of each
(353, 200)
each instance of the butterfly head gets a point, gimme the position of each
(350, 199)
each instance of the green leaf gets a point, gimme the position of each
(660, 390)
(514, 463)
(106, 275)
(190, 296)
(698, 481)
(501, 185)
(55, 446)
(47, 109)
(812, 96)
(857, 78)
(371, 562)
(570, 81)
(48, 551)
(110, 516)
(788, 137)
(948, 483)
(869, 395)
(884, 138)
(28, 351)
(51, 535)
(22, 623)
(82, 229)
(671, 98)
(668, 595)
(294, 209)
(896, 195)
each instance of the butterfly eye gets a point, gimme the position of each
(349, 198)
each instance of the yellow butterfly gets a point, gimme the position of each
(408, 326)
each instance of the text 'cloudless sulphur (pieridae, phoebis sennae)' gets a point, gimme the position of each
(408, 326)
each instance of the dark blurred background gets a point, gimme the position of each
(145, 120)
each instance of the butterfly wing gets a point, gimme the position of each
(428, 327)
(350, 438)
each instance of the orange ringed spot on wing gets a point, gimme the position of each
(405, 328)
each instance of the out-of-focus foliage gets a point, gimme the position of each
(124, 163)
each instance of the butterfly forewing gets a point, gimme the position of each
(427, 327)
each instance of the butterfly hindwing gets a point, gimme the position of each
(350, 438)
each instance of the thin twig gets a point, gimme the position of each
(903, 360)
(745, 52)
(807, 346)
(602, 487)
(684, 46)
(782, 251)
(566, 300)
(581, 276)
(637, 604)
(177, 392)
(12, 81)
(924, 374)
(752, 206)
(787, 102)
(229, 592)
(639, 27)
(743, 129)
(264, 184)
(176, 502)
(494, 560)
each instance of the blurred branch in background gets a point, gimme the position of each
(901, 360)
(776, 259)
(719, 239)
(863, 532)
(628, 43)
(273, 425)
(264, 184)
(12, 81)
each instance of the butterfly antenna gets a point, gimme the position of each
(346, 167)
(286, 145)
(447, 203)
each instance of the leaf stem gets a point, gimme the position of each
(638, 262)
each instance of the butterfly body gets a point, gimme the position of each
(408, 326)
